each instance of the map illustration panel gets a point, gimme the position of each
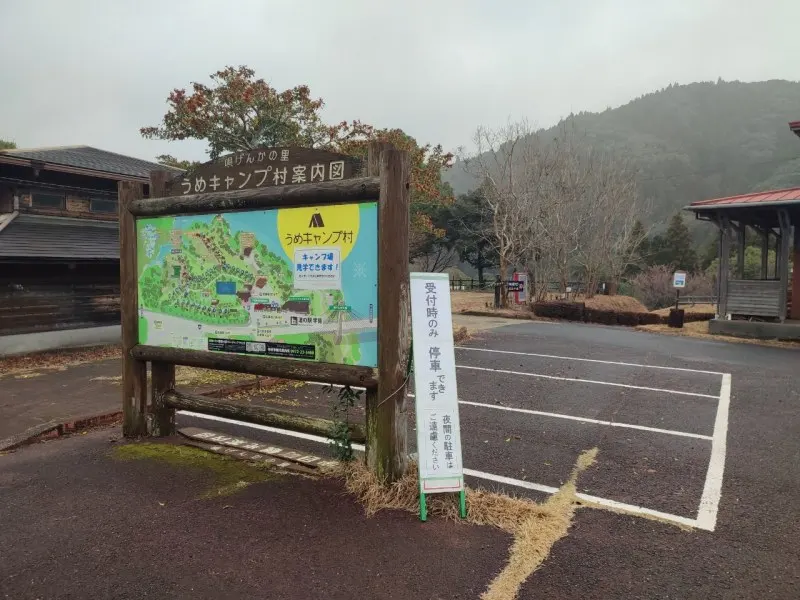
(290, 282)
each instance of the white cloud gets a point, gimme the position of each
(93, 71)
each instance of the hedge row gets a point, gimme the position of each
(577, 311)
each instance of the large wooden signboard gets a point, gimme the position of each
(267, 167)
(283, 262)
(286, 282)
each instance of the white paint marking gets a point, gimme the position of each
(591, 360)
(622, 385)
(613, 504)
(298, 434)
(712, 489)
(699, 436)
(540, 413)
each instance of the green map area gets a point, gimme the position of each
(199, 280)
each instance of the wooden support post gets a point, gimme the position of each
(764, 253)
(387, 417)
(724, 264)
(795, 313)
(777, 269)
(134, 372)
(740, 248)
(261, 415)
(162, 417)
(783, 274)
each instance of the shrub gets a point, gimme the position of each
(653, 286)
(576, 311)
(650, 319)
(569, 311)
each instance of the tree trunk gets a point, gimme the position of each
(503, 279)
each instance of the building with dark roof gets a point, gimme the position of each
(59, 240)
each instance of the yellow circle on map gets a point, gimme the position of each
(319, 226)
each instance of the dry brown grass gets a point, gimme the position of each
(470, 300)
(699, 330)
(461, 335)
(57, 360)
(618, 303)
(695, 308)
(535, 527)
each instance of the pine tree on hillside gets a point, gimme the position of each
(678, 249)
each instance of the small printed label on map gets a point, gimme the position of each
(303, 351)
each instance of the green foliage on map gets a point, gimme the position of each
(201, 279)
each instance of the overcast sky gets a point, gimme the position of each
(94, 71)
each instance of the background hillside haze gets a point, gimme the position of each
(692, 142)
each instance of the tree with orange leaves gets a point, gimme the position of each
(239, 112)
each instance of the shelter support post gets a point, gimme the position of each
(783, 273)
(724, 264)
(795, 313)
(740, 248)
(134, 372)
(764, 253)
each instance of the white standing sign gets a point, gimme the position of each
(438, 429)
(679, 279)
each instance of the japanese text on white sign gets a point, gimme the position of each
(438, 429)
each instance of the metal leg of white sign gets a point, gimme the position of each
(423, 504)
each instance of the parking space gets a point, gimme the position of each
(527, 415)
(533, 396)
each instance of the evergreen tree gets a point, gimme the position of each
(678, 248)
(468, 226)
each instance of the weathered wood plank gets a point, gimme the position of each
(783, 271)
(387, 428)
(162, 374)
(724, 264)
(134, 372)
(328, 192)
(260, 415)
(740, 248)
(285, 368)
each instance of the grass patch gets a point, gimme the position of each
(229, 475)
(56, 360)
(535, 527)
(616, 303)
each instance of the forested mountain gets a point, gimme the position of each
(693, 142)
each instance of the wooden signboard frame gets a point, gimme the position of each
(385, 177)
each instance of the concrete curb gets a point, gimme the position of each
(54, 429)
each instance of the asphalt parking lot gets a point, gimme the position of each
(697, 434)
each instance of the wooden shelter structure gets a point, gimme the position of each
(757, 307)
(767, 306)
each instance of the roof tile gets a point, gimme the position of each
(86, 157)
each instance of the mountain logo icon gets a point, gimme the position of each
(316, 221)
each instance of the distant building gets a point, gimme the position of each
(59, 245)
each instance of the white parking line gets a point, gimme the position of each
(712, 489)
(540, 413)
(622, 385)
(591, 360)
(605, 502)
